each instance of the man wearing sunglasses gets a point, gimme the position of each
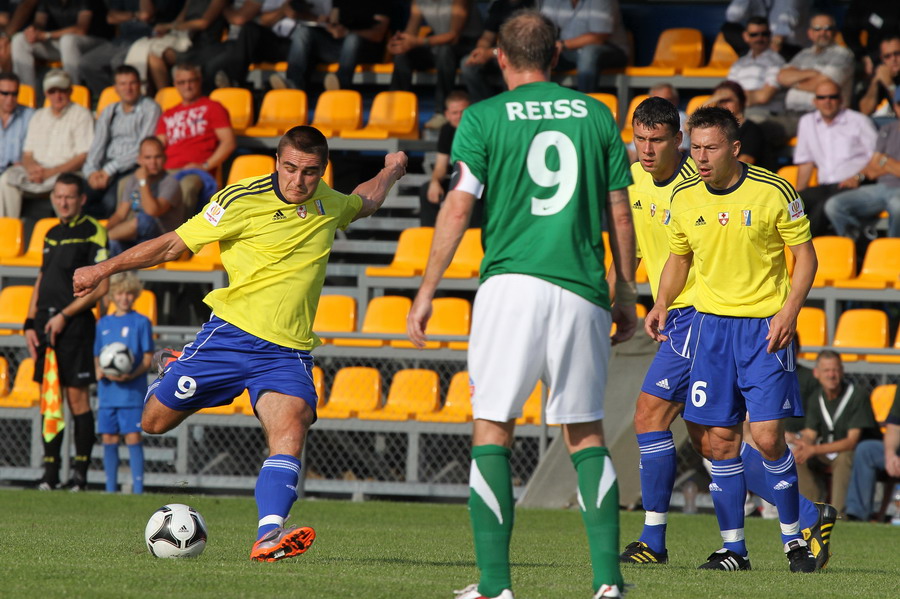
(878, 98)
(13, 124)
(757, 70)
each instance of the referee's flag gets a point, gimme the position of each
(51, 398)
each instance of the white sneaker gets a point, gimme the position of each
(471, 592)
(608, 591)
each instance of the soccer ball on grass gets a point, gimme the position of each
(176, 530)
(116, 359)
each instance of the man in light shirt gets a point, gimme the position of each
(14, 120)
(757, 70)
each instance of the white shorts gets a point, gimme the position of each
(525, 329)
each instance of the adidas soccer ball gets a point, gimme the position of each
(176, 530)
(116, 359)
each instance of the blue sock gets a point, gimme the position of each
(755, 475)
(136, 461)
(276, 491)
(111, 466)
(781, 476)
(728, 491)
(658, 465)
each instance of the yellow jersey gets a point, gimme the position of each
(274, 253)
(738, 236)
(650, 202)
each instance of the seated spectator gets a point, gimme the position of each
(150, 204)
(14, 17)
(823, 61)
(873, 456)
(786, 17)
(884, 81)
(119, 130)
(730, 95)
(592, 36)
(837, 420)
(57, 142)
(839, 143)
(62, 30)
(757, 70)
(14, 120)
(877, 19)
(455, 28)
(197, 135)
(479, 70)
(856, 210)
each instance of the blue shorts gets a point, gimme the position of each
(119, 421)
(223, 361)
(670, 372)
(732, 375)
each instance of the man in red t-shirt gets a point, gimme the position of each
(197, 133)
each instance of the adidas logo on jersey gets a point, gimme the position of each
(787, 404)
(637, 205)
(782, 486)
(663, 384)
(714, 487)
(279, 215)
(699, 222)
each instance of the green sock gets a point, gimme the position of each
(600, 512)
(491, 510)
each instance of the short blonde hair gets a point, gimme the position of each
(125, 282)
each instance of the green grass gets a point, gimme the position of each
(91, 545)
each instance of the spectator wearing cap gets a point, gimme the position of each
(57, 141)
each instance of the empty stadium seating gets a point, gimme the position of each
(882, 399)
(34, 253)
(14, 303)
(449, 316)
(880, 268)
(837, 259)
(413, 392)
(676, 50)
(384, 315)
(281, 109)
(338, 110)
(239, 103)
(811, 330)
(250, 165)
(355, 389)
(25, 392)
(721, 57)
(458, 403)
(335, 314)
(393, 114)
(410, 257)
(466, 262)
(611, 102)
(12, 234)
(627, 129)
(860, 328)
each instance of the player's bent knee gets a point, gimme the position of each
(158, 419)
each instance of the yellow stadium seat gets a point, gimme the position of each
(640, 274)
(34, 254)
(250, 165)
(790, 172)
(676, 49)
(721, 58)
(888, 359)
(458, 404)
(25, 392)
(393, 114)
(696, 102)
(837, 259)
(413, 391)
(238, 101)
(531, 411)
(880, 268)
(466, 261)
(449, 316)
(281, 110)
(811, 329)
(168, 97)
(319, 384)
(337, 110)
(13, 235)
(4, 377)
(14, 303)
(861, 328)
(410, 257)
(355, 389)
(385, 315)
(328, 175)
(242, 404)
(882, 399)
(628, 129)
(144, 304)
(207, 259)
(611, 102)
(108, 96)
(335, 314)
(80, 95)
(27, 96)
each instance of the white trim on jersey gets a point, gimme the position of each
(464, 180)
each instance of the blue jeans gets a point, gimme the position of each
(311, 45)
(854, 209)
(589, 61)
(867, 462)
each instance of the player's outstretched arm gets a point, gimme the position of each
(671, 282)
(783, 325)
(150, 253)
(622, 244)
(374, 191)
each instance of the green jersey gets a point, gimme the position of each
(545, 158)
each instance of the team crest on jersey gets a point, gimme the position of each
(667, 216)
(746, 218)
(301, 210)
(214, 213)
(795, 209)
(723, 218)
(320, 208)
(652, 210)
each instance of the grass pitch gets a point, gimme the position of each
(92, 545)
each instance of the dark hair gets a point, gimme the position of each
(736, 89)
(70, 178)
(528, 39)
(152, 139)
(306, 139)
(757, 20)
(126, 69)
(890, 37)
(457, 95)
(656, 111)
(708, 117)
(10, 77)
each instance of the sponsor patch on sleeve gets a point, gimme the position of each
(795, 209)
(214, 213)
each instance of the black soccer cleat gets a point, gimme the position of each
(818, 537)
(640, 553)
(799, 556)
(726, 560)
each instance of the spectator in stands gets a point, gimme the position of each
(150, 204)
(757, 70)
(877, 19)
(837, 420)
(479, 70)
(858, 210)
(119, 130)
(823, 61)
(884, 81)
(14, 120)
(57, 141)
(730, 95)
(455, 28)
(836, 141)
(198, 137)
(62, 30)
(786, 18)
(592, 36)
(873, 456)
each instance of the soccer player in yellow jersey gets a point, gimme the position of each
(275, 233)
(732, 221)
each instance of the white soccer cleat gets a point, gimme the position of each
(471, 592)
(608, 591)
